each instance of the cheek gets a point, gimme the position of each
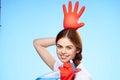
(72, 55)
(57, 51)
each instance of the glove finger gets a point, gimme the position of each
(61, 69)
(76, 7)
(70, 6)
(80, 24)
(64, 9)
(68, 66)
(81, 11)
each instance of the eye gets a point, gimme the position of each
(59, 46)
(68, 47)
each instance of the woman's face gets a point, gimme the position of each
(66, 50)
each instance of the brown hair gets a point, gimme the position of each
(74, 37)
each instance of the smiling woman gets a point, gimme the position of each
(65, 50)
(69, 42)
(25, 20)
(69, 47)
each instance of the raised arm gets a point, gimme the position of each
(41, 45)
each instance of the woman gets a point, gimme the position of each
(68, 48)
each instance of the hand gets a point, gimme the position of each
(66, 72)
(71, 18)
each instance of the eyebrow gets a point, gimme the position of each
(67, 45)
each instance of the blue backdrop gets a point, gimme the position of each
(25, 20)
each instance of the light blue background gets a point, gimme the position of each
(25, 20)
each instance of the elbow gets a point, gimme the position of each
(35, 42)
(38, 43)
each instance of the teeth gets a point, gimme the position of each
(64, 56)
(67, 55)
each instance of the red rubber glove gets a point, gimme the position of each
(71, 18)
(66, 72)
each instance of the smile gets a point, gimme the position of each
(64, 56)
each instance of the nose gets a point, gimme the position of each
(63, 51)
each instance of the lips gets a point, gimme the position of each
(64, 56)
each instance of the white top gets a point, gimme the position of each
(81, 75)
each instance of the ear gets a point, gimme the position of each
(78, 51)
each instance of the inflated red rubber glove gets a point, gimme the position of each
(66, 72)
(71, 18)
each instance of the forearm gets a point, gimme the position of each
(44, 42)
(41, 45)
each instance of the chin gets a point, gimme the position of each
(63, 61)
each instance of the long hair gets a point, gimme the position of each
(75, 38)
